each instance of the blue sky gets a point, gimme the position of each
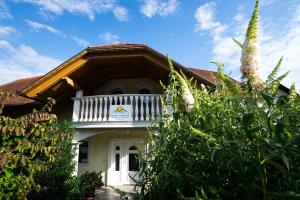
(38, 35)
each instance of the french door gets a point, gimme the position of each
(123, 163)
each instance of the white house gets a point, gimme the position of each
(110, 94)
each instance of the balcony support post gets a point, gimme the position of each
(76, 106)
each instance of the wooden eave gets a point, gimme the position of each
(31, 89)
(79, 60)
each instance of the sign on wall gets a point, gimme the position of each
(120, 113)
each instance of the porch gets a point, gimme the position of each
(109, 151)
(112, 111)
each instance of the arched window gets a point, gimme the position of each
(117, 91)
(144, 91)
(132, 148)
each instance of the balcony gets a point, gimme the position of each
(113, 111)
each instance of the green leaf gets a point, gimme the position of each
(202, 134)
(238, 43)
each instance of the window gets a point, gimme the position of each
(117, 161)
(132, 148)
(83, 152)
(133, 159)
(133, 162)
(144, 91)
(117, 91)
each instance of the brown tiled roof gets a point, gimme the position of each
(15, 87)
(210, 75)
(119, 45)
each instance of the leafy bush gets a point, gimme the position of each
(235, 143)
(90, 181)
(57, 180)
(26, 144)
(238, 141)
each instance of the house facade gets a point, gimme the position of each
(110, 94)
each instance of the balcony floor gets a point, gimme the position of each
(129, 124)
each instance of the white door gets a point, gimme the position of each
(124, 165)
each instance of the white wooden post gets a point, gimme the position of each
(76, 106)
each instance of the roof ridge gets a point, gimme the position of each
(118, 44)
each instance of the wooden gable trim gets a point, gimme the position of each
(55, 75)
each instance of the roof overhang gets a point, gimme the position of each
(102, 53)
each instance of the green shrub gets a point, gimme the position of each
(235, 143)
(90, 181)
(26, 144)
(57, 180)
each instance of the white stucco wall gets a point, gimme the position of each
(98, 147)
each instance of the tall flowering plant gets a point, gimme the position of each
(250, 61)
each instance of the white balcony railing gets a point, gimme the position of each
(116, 108)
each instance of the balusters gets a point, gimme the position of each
(96, 109)
(130, 98)
(152, 106)
(157, 106)
(136, 110)
(105, 109)
(110, 103)
(142, 109)
(82, 109)
(86, 109)
(91, 109)
(125, 100)
(147, 108)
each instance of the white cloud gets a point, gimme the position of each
(6, 45)
(81, 42)
(7, 30)
(22, 61)
(273, 44)
(109, 37)
(205, 17)
(121, 14)
(285, 43)
(151, 8)
(89, 8)
(38, 26)
(4, 11)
